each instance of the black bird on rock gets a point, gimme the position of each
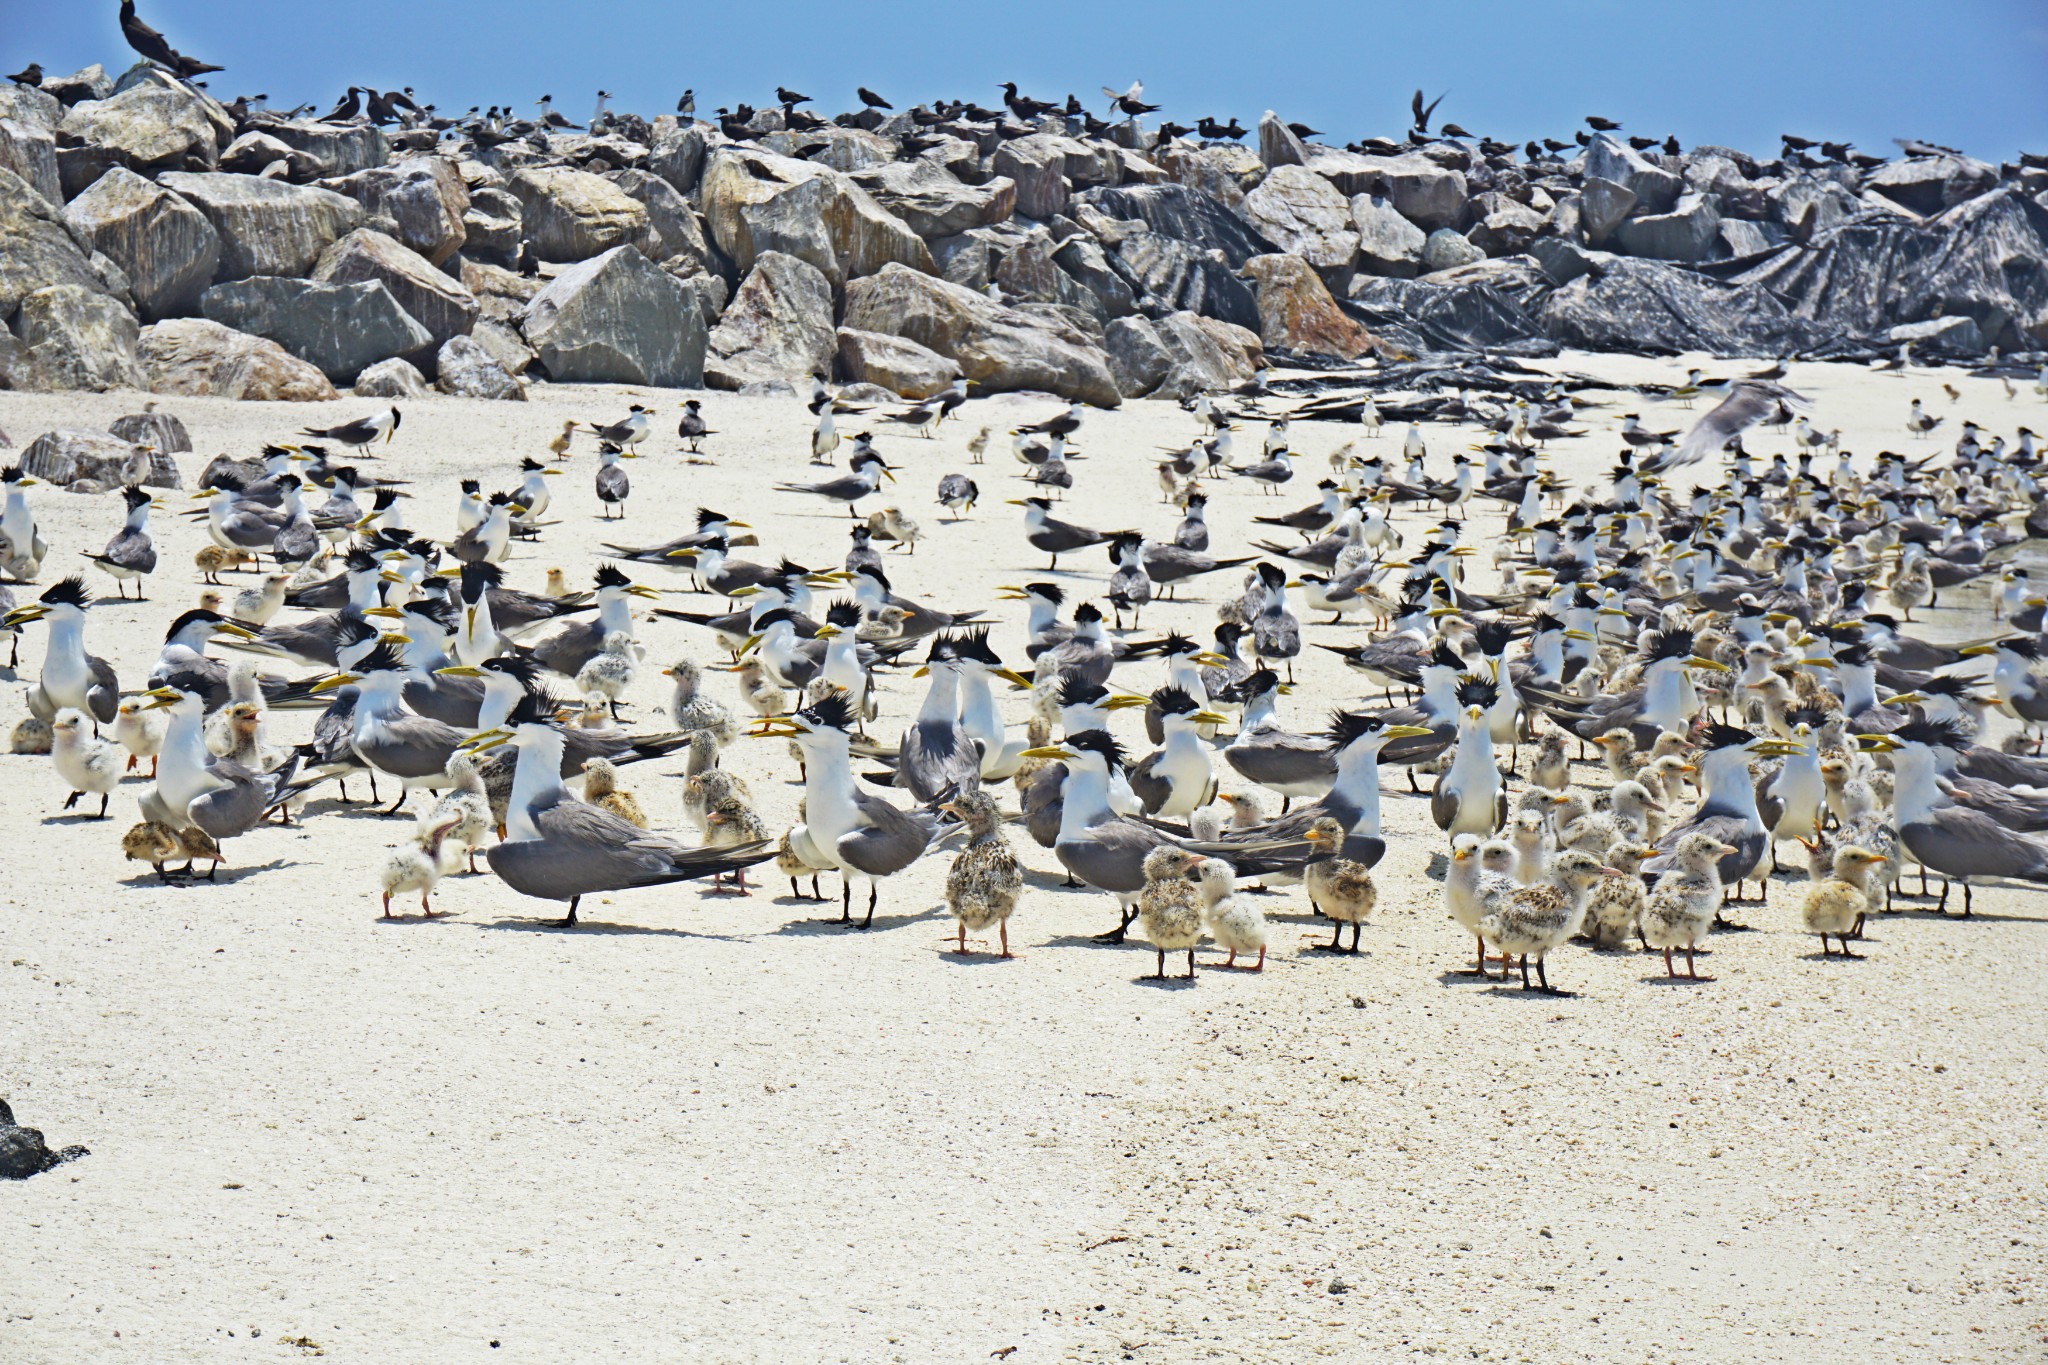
(1424, 112)
(32, 75)
(1023, 106)
(1602, 125)
(785, 95)
(153, 47)
(872, 100)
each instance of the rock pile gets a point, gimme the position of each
(159, 239)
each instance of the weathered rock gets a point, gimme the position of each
(1505, 228)
(266, 227)
(1958, 336)
(1446, 250)
(69, 454)
(1929, 184)
(778, 326)
(1174, 276)
(755, 202)
(1603, 205)
(673, 226)
(617, 318)
(467, 370)
(1388, 244)
(494, 225)
(30, 151)
(678, 157)
(430, 297)
(1609, 158)
(1027, 273)
(20, 371)
(23, 1152)
(1655, 308)
(393, 378)
(933, 202)
(167, 248)
(1083, 260)
(1690, 232)
(256, 152)
(999, 348)
(896, 363)
(1479, 307)
(845, 150)
(506, 345)
(1137, 357)
(1278, 145)
(334, 149)
(86, 83)
(1427, 194)
(1303, 214)
(1204, 354)
(1827, 203)
(1185, 215)
(28, 105)
(1296, 312)
(572, 215)
(39, 250)
(1740, 238)
(195, 358)
(153, 126)
(1226, 173)
(341, 328)
(1036, 166)
(157, 430)
(423, 195)
(1559, 257)
(83, 339)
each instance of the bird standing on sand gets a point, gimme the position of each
(1170, 907)
(1237, 925)
(361, 432)
(1341, 889)
(986, 880)
(1530, 921)
(1682, 905)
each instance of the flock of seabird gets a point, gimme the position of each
(1739, 660)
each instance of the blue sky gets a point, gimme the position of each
(1968, 73)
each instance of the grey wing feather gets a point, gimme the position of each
(1743, 408)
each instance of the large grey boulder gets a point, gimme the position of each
(1690, 232)
(1001, 349)
(494, 226)
(82, 338)
(1204, 354)
(196, 358)
(1185, 215)
(1603, 205)
(1929, 184)
(154, 125)
(1303, 214)
(393, 378)
(673, 226)
(1137, 357)
(1388, 244)
(1609, 158)
(20, 371)
(1278, 144)
(1446, 250)
(1651, 307)
(37, 250)
(29, 105)
(1084, 261)
(678, 156)
(572, 215)
(423, 195)
(1427, 194)
(1036, 167)
(755, 202)
(157, 430)
(430, 297)
(257, 153)
(1504, 227)
(617, 318)
(778, 326)
(1477, 307)
(1296, 312)
(1812, 203)
(87, 83)
(333, 149)
(1224, 172)
(341, 328)
(1956, 335)
(30, 151)
(167, 248)
(468, 370)
(70, 454)
(266, 227)
(898, 364)
(933, 202)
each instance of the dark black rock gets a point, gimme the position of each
(23, 1152)
(1185, 215)
(1654, 308)
(1476, 307)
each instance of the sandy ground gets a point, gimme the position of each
(705, 1128)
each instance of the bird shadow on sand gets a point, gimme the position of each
(1087, 941)
(975, 957)
(1513, 990)
(813, 927)
(63, 818)
(1170, 983)
(1662, 980)
(225, 876)
(589, 928)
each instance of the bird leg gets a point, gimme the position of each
(1260, 965)
(427, 910)
(387, 907)
(1191, 965)
(1230, 961)
(1003, 930)
(1691, 970)
(845, 899)
(874, 893)
(103, 815)
(1116, 935)
(1160, 974)
(569, 921)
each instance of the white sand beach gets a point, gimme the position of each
(713, 1128)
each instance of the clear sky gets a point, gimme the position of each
(1966, 73)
